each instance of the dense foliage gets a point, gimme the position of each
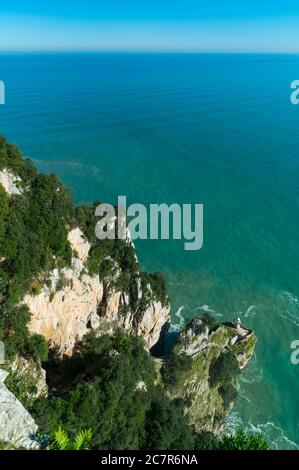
(239, 441)
(222, 374)
(242, 441)
(111, 389)
(33, 237)
(175, 368)
(12, 160)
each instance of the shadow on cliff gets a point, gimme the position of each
(63, 372)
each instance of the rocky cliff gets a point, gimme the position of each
(72, 303)
(203, 368)
(58, 283)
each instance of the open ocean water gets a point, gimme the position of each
(213, 129)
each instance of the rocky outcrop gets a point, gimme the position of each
(17, 427)
(31, 374)
(71, 303)
(63, 315)
(147, 321)
(9, 182)
(78, 244)
(151, 321)
(209, 401)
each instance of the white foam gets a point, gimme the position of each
(178, 326)
(253, 374)
(267, 429)
(290, 297)
(249, 311)
(208, 309)
(273, 434)
(289, 317)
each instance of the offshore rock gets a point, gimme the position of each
(207, 403)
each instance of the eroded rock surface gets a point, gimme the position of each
(65, 315)
(72, 303)
(17, 427)
(9, 182)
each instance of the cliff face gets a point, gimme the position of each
(66, 307)
(214, 358)
(72, 303)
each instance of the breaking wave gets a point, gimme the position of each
(179, 324)
(273, 434)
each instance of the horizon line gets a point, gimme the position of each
(145, 51)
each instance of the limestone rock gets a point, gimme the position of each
(150, 323)
(146, 322)
(16, 425)
(8, 181)
(32, 374)
(64, 316)
(194, 337)
(78, 244)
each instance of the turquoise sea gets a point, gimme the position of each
(213, 129)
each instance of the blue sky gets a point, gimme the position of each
(164, 25)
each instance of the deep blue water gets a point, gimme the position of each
(213, 129)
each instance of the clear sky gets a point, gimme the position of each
(155, 25)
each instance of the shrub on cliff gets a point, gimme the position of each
(12, 160)
(222, 374)
(223, 369)
(35, 232)
(175, 369)
(157, 285)
(166, 427)
(15, 334)
(3, 215)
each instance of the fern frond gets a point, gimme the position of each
(83, 439)
(61, 440)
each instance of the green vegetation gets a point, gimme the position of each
(224, 368)
(157, 284)
(175, 369)
(25, 380)
(61, 440)
(110, 388)
(33, 238)
(16, 337)
(242, 441)
(239, 441)
(12, 160)
(223, 372)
